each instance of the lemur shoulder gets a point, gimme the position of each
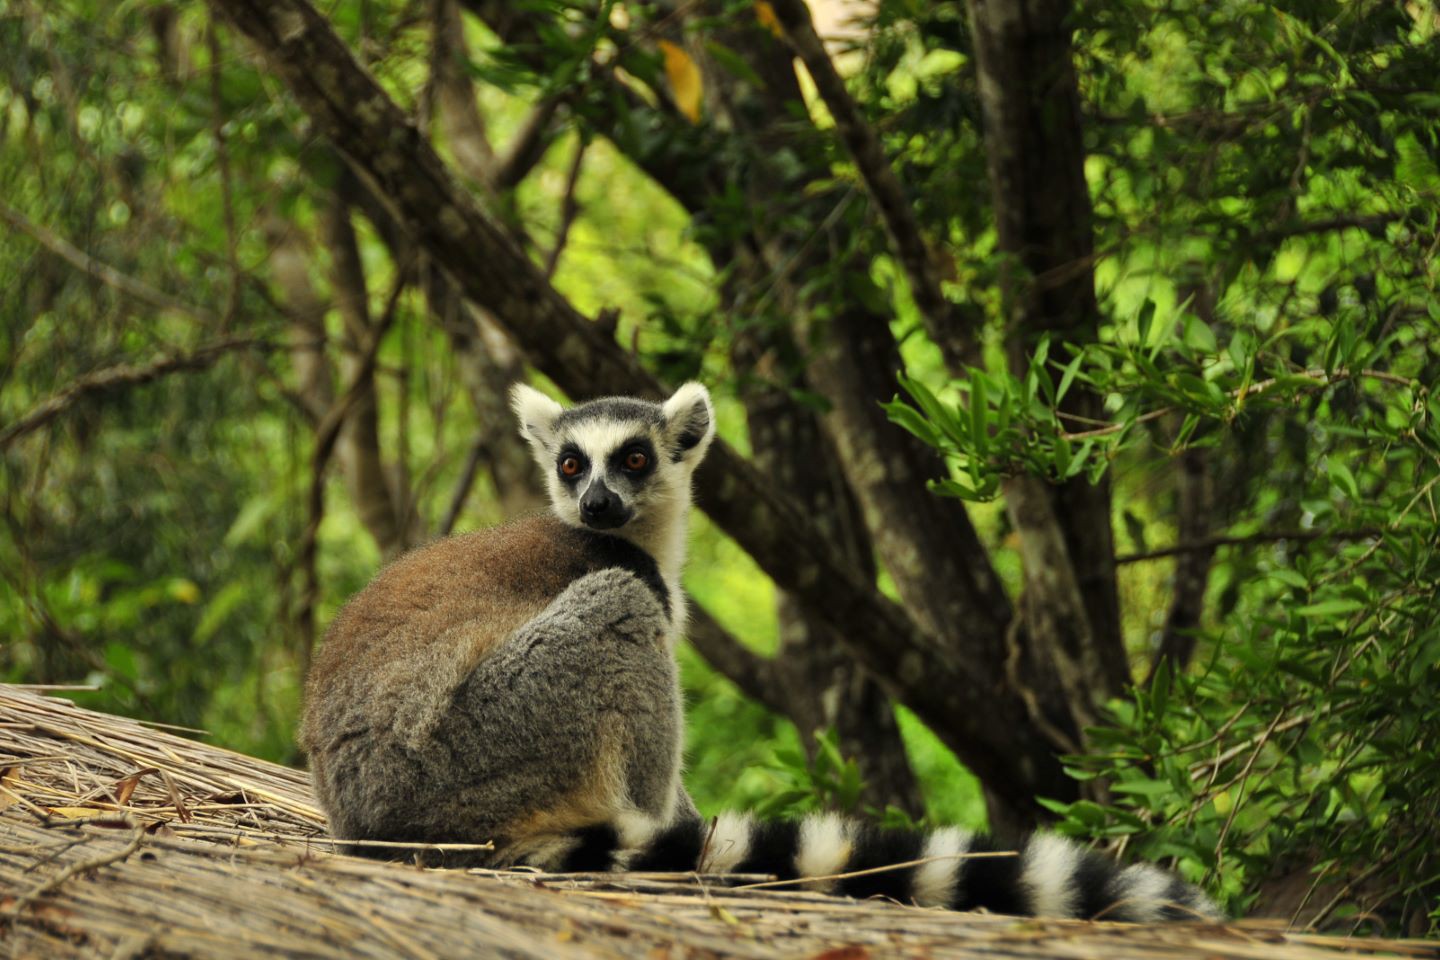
(518, 685)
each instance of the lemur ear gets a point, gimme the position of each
(537, 414)
(689, 422)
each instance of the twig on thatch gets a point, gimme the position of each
(887, 868)
(56, 851)
(137, 837)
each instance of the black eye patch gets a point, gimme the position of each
(567, 453)
(619, 461)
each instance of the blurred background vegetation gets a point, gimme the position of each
(195, 285)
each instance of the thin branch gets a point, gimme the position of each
(1263, 739)
(326, 435)
(1195, 508)
(462, 488)
(569, 209)
(124, 375)
(1299, 228)
(103, 272)
(222, 160)
(1321, 377)
(752, 673)
(526, 148)
(887, 868)
(1277, 536)
(75, 869)
(958, 344)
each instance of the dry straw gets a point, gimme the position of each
(118, 840)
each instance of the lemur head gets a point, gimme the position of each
(618, 464)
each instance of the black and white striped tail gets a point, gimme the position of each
(1047, 875)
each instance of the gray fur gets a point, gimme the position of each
(463, 759)
(614, 408)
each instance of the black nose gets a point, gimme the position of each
(601, 509)
(596, 505)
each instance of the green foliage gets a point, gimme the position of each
(823, 781)
(1304, 738)
(1266, 219)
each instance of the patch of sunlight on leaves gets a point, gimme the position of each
(952, 793)
(727, 583)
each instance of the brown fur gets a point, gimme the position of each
(497, 578)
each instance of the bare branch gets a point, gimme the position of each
(359, 448)
(222, 160)
(1195, 496)
(103, 272)
(1320, 376)
(1370, 223)
(569, 209)
(526, 149)
(956, 341)
(326, 436)
(1275, 536)
(462, 122)
(462, 488)
(125, 375)
(752, 673)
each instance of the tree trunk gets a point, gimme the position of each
(1036, 156)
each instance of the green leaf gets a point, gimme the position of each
(1329, 608)
(1290, 578)
(906, 416)
(1160, 688)
(1341, 477)
(220, 608)
(1068, 377)
(1145, 787)
(1199, 337)
(1145, 321)
(978, 411)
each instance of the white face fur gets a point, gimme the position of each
(619, 464)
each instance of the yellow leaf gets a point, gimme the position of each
(720, 913)
(1223, 802)
(684, 79)
(184, 590)
(79, 813)
(766, 15)
(8, 796)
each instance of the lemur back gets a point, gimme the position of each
(518, 686)
(430, 715)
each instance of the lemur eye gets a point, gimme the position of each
(570, 466)
(636, 460)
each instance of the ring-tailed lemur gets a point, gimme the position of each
(518, 685)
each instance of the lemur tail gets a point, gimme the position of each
(1045, 875)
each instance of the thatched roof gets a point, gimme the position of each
(120, 840)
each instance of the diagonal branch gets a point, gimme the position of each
(102, 271)
(327, 434)
(124, 375)
(752, 673)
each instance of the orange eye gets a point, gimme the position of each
(570, 466)
(636, 460)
